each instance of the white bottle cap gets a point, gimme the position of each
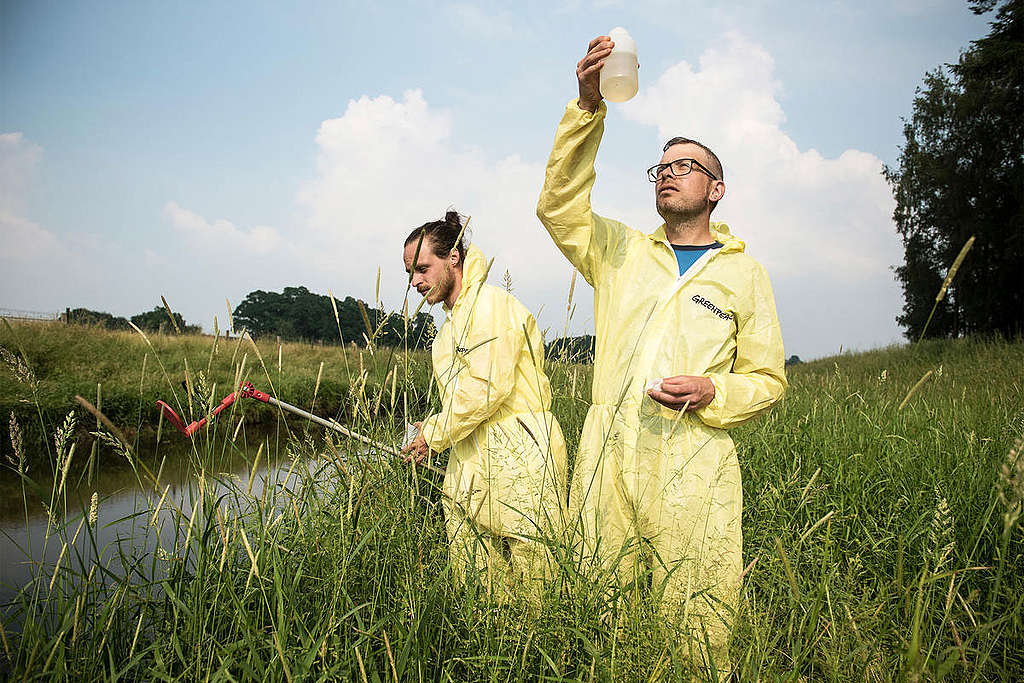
(623, 41)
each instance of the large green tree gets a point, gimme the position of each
(299, 314)
(961, 173)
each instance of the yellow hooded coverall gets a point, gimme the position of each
(506, 477)
(662, 485)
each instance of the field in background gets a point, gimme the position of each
(879, 534)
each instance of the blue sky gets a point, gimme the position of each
(203, 150)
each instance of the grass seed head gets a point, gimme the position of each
(113, 442)
(64, 432)
(1011, 487)
(955, 267)
(22, 372)
(17, 459)
(940, 534)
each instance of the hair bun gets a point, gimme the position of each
(451, 232)
(453, 218)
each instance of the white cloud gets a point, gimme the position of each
(26, 248)
(821, 223)
(19, 160)
(386, 166)
(821, 226)
(45, 270)
(24, 240)
(260, 239)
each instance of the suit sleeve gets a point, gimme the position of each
(758, 378)
(564, 205)
(485, 377)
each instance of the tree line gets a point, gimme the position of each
(295, 314)
(960, 174)
(156, 320)
(298, 314)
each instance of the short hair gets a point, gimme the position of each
(444, 235)
(716, 165)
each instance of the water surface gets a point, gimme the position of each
(134, 515)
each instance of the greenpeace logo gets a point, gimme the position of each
(701, 301)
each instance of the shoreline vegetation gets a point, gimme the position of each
(124, 374)
(881, 524)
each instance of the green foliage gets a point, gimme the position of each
(151, 321)
(157, 320)
(84, 316)
(298, 314)
(961, 173)
(572, 349)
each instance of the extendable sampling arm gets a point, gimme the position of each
(247, 390)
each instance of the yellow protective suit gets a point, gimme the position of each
(653, 486)
(505, 483)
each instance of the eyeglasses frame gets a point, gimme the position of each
(654, 172)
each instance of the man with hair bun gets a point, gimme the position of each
(505, 484)
(688, 346)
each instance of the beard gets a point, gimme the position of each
(676, 209)
(443, 289)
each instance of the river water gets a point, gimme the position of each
(132, 515)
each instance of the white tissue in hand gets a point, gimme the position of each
(653, 385)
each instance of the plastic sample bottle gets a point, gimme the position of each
(619, 73)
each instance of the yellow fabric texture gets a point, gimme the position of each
(505, 483)
(653, 486)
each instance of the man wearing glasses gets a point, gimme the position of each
(688, 345)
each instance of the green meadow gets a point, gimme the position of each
(882, 538)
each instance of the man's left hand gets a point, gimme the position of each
(684, 390)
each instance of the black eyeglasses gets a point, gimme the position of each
(677, 168)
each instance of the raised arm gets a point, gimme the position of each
(564, 204)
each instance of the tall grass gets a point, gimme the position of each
(47, 365)
(887, 510)
(878, 535)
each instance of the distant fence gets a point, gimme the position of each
(15, 314)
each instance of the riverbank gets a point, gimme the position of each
(880, 543)
(124, 374)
